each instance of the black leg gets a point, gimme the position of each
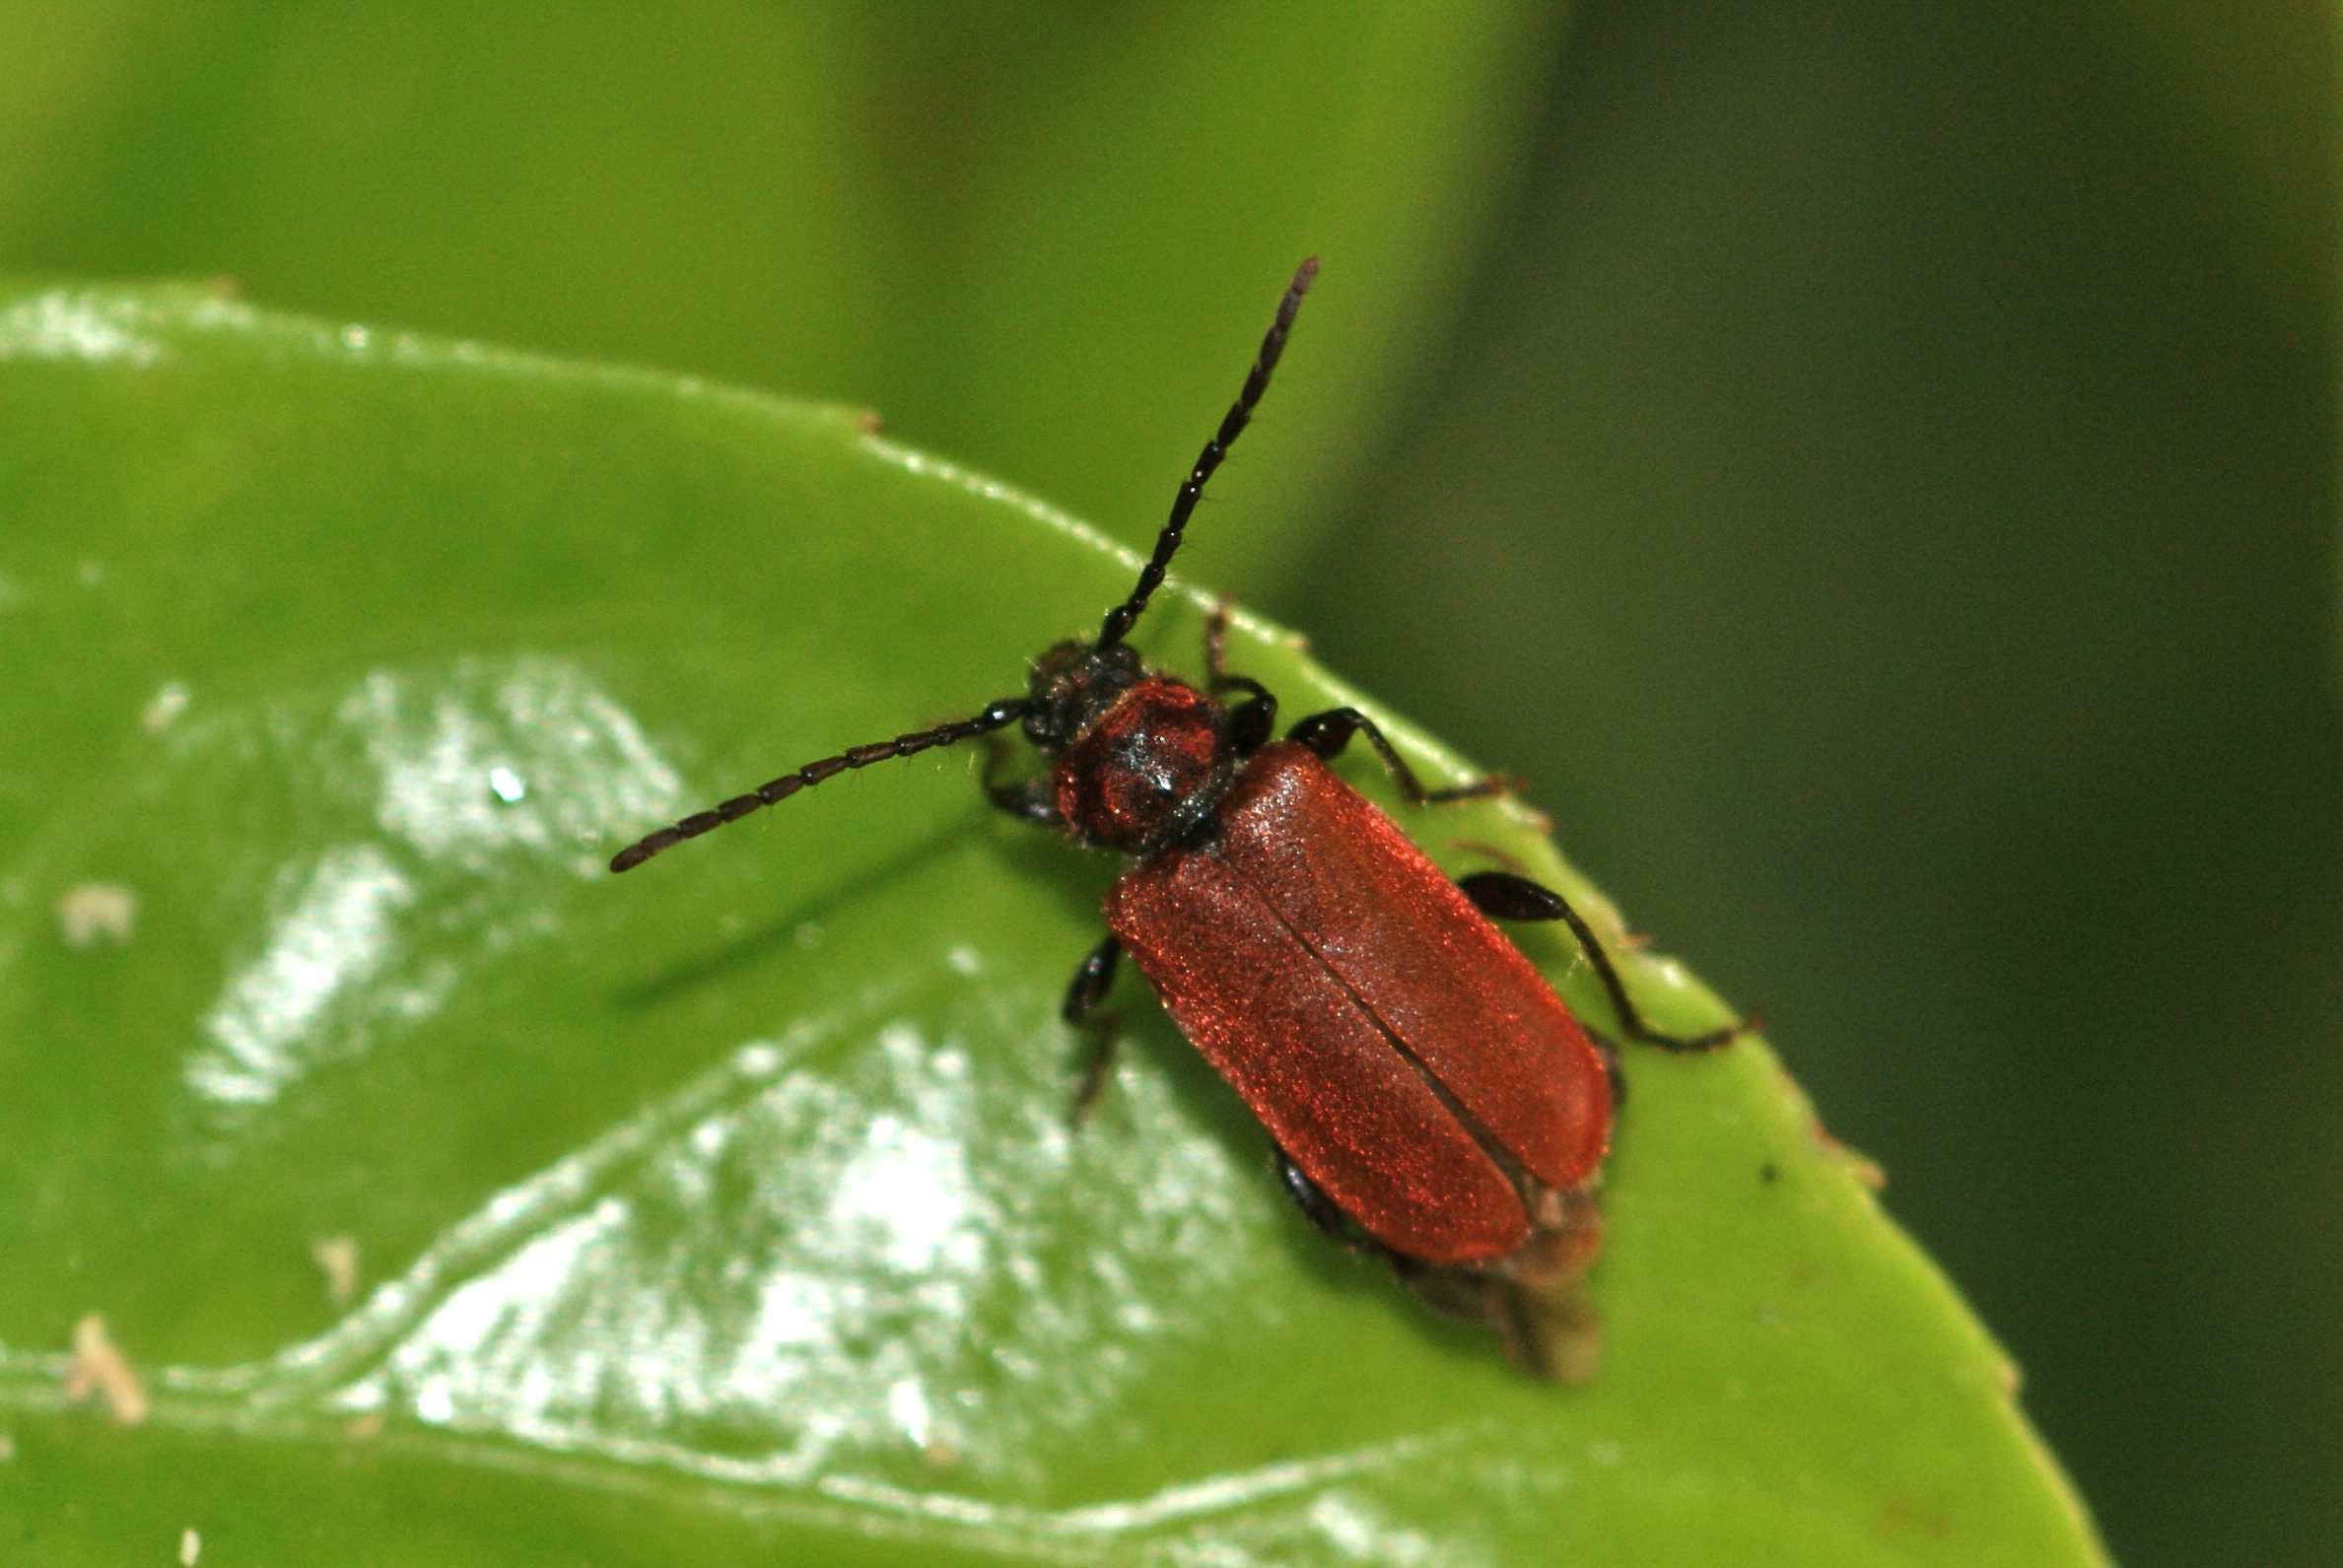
(1028, 799)
(1322, 1213)
(1256, 718)
(1091, 983)
(1502, 896)
(1250, 724)
(1329, 732)
(1314, 1204)
(1088, 989)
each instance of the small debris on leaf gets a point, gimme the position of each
(90, 912)
(336, 1258)
(98, 1367)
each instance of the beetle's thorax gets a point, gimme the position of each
(1148, 770)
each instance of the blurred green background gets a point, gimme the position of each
(1868, 469)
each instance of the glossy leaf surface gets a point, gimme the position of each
(732, 1205)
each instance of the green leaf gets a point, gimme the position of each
(731, 1208)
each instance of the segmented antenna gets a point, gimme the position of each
(996, 715)
(1121, 619)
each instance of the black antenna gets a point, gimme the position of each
(996, 714)
(1121, 619)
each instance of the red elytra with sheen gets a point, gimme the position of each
(1426, 1094)
(1334, 975)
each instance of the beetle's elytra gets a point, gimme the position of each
(1428, 1095)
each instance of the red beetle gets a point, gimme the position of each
(1430, 1097)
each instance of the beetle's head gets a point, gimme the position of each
(1073, 684)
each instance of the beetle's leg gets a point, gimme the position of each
(1329, 732)
(1312, 1201)
(1502, 895)
(1028, 799)
(1090, 987)
(1322, 1213)
(1254, 720)
(1091, 983)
